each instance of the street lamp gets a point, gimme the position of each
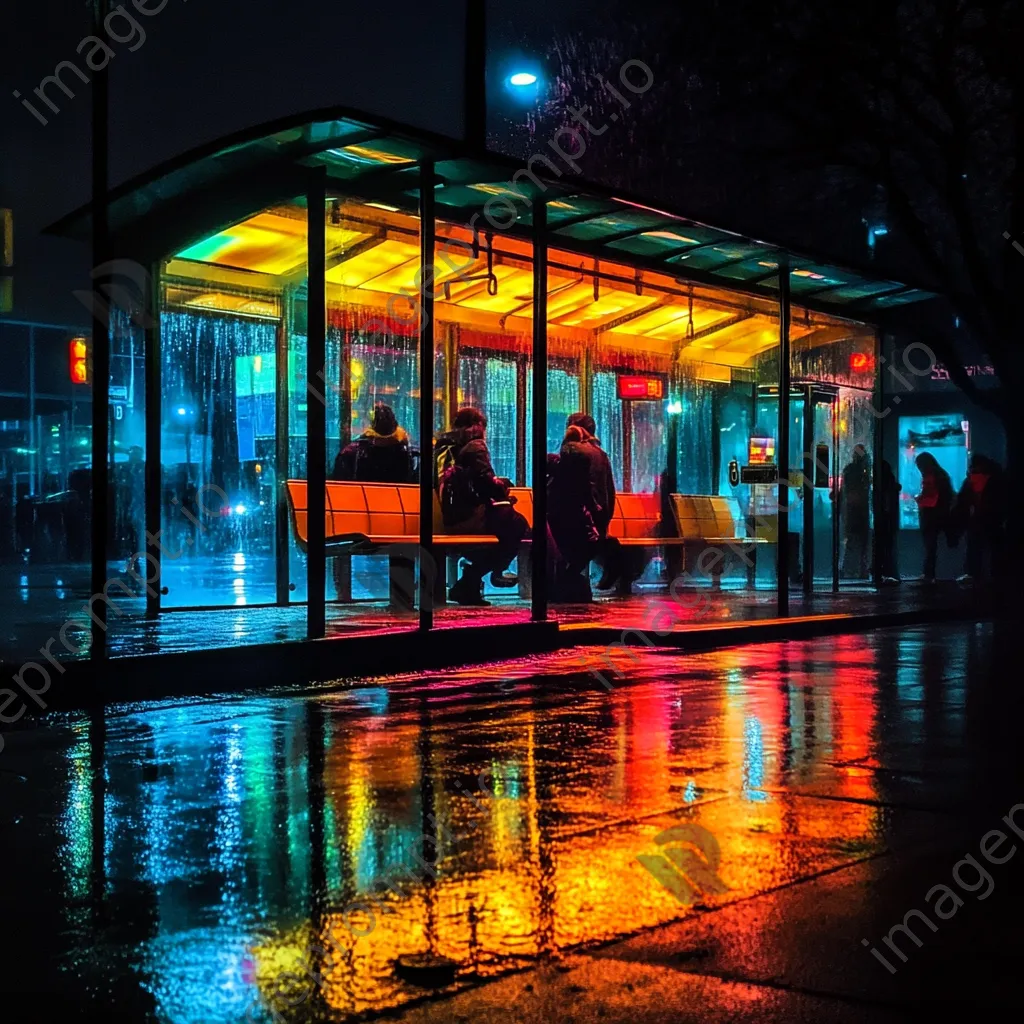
(875, 231)
(522, 81)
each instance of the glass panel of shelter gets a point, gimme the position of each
(373, 408)
(232, 312)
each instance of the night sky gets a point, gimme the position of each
(206, 69)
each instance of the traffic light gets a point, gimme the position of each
(78, 361)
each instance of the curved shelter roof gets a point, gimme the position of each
(216, 186)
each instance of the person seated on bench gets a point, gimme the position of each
(582, 503)
(474, 500)
(379, 455)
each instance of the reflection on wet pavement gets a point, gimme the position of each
(201, 862)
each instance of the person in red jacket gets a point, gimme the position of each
(981, 514)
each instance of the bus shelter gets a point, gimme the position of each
(272, 289)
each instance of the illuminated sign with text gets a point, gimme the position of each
(641, 388)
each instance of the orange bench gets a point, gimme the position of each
(637, 522)
(371, 518)
(367, 518)
(713, 521)
(358, 515)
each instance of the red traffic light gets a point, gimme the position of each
(78, 361)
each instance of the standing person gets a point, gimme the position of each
(855, 501)
(981, 514)
(135, 507)
(573, 518)
(474, 500)
(602, 483)
(887, 527)
(934, 505)
(379, 455)
(582, 504)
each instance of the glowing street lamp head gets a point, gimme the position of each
(522, 78)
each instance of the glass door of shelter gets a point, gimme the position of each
(814, 458)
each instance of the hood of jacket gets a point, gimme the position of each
(578, 435)
(398, 437)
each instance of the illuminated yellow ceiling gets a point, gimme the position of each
(371, 255)
(269, 243)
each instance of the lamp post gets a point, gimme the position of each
(100, 344)
(475, 85)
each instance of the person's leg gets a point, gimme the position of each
(862, 554)
(930, 536)
(975, 553)
(608, 554)
(886, 555)
(511, 528)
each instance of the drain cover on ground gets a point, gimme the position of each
(426, 969)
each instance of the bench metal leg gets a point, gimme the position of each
(440, 581)
(402, 578)
(342, 566)
(524, 567)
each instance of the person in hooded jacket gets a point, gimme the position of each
(980, 513)
(475, 500)
(581, 505)
(855, 495)
(887, 525)
(379, 455)
(934, 506)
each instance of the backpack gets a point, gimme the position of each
(445, 453)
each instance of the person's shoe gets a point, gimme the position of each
(467, 592)
(606, 582)
(504, 579)
(966, 578)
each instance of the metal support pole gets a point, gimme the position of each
(810, 458)
(451, 362)
(522, 383)
(316, 416)
(876, 469)
(835, 495)
(675, 395)
(587, 364)
(627, 447)
(716, 441)
(476, 74)
(540, 405)
(282, 456)
(783, 449)
(34, 440)
(101, 510)
(428, 561)
(154, 460)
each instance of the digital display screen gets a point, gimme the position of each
(641, 388)
(761, 451)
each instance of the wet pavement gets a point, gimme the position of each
(277, 857)
(35, 603)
